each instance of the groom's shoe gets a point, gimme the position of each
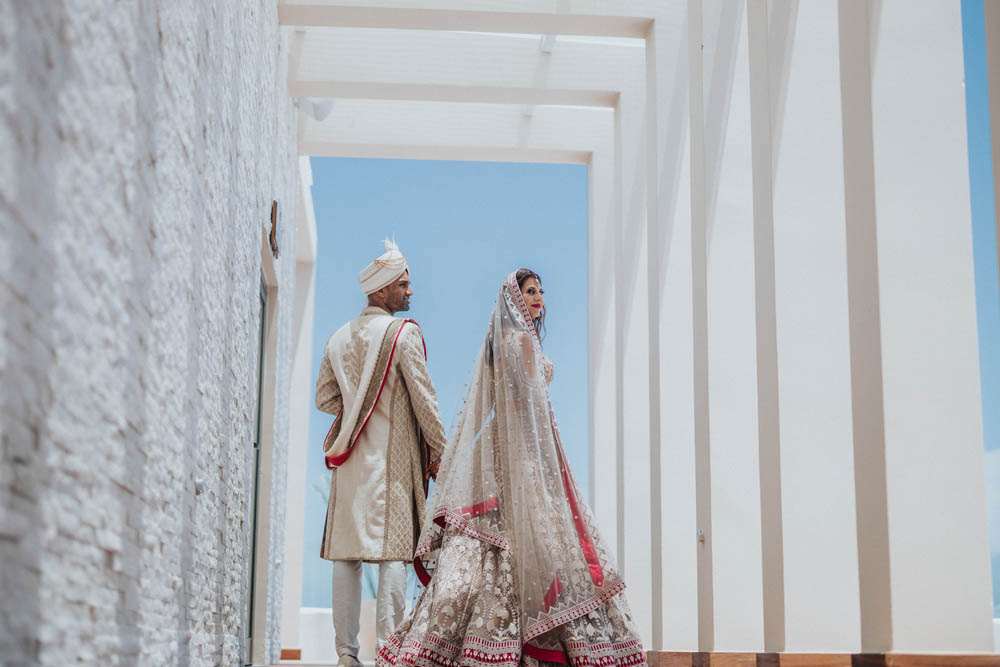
(348, 661)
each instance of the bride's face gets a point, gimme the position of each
(534, 296)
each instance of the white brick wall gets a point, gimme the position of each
(142, 144)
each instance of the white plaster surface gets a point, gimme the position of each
(817, 458)
(940, 578)
(731, 337)
(142, 146)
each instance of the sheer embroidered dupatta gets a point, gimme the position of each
(505, 480)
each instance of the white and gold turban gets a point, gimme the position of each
(384, 270)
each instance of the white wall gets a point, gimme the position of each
(679, 601)
(933, 426)
(731, 337)
(149, 143)
(817, 461)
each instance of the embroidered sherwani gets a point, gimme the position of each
(374, 377)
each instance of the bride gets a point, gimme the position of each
(514, 568)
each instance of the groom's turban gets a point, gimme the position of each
(385, 270)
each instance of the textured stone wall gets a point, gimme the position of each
(141, 144)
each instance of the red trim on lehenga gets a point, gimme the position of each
(445, 516)
(545, 654)
(436, 651)
(628, 653)
(338, 460)
(460, 520)
(475, 651)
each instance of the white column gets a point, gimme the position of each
(677, 508)
(732, 376)
(300, 402)
(603, 335)
(769, 447)
(937, 539)
(653, 259)
(854, 26)
(301, 399)
(632, 304)
(817, 461)
(699, 327)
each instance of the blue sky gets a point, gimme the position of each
(463, 227)
(985, 250)
(983, 225)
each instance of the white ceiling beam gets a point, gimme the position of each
(449, 124)
(396, 18)
(452, 93)
(466, 59)
(429, 152)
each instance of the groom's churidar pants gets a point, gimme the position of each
(390, 602)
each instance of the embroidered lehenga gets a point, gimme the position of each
(514, 569)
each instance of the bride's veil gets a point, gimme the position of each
(505, 480)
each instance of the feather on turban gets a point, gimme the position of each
(384, 270)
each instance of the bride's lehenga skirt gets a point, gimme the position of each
(468, 616)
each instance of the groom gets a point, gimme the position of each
(385, 443)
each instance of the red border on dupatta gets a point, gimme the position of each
(583, 534)
(488, 505)
(336, 461)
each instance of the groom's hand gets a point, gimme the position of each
(432, 470)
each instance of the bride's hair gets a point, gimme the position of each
(522, 275)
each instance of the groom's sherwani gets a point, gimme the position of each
(374, 377)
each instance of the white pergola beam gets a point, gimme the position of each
(447, 125)
(396, 18)
(453, 93)
(465, 59)
(458, 153)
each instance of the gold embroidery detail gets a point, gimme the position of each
(354, 358)
(471, 603)
(400, 533)
(328, 396)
